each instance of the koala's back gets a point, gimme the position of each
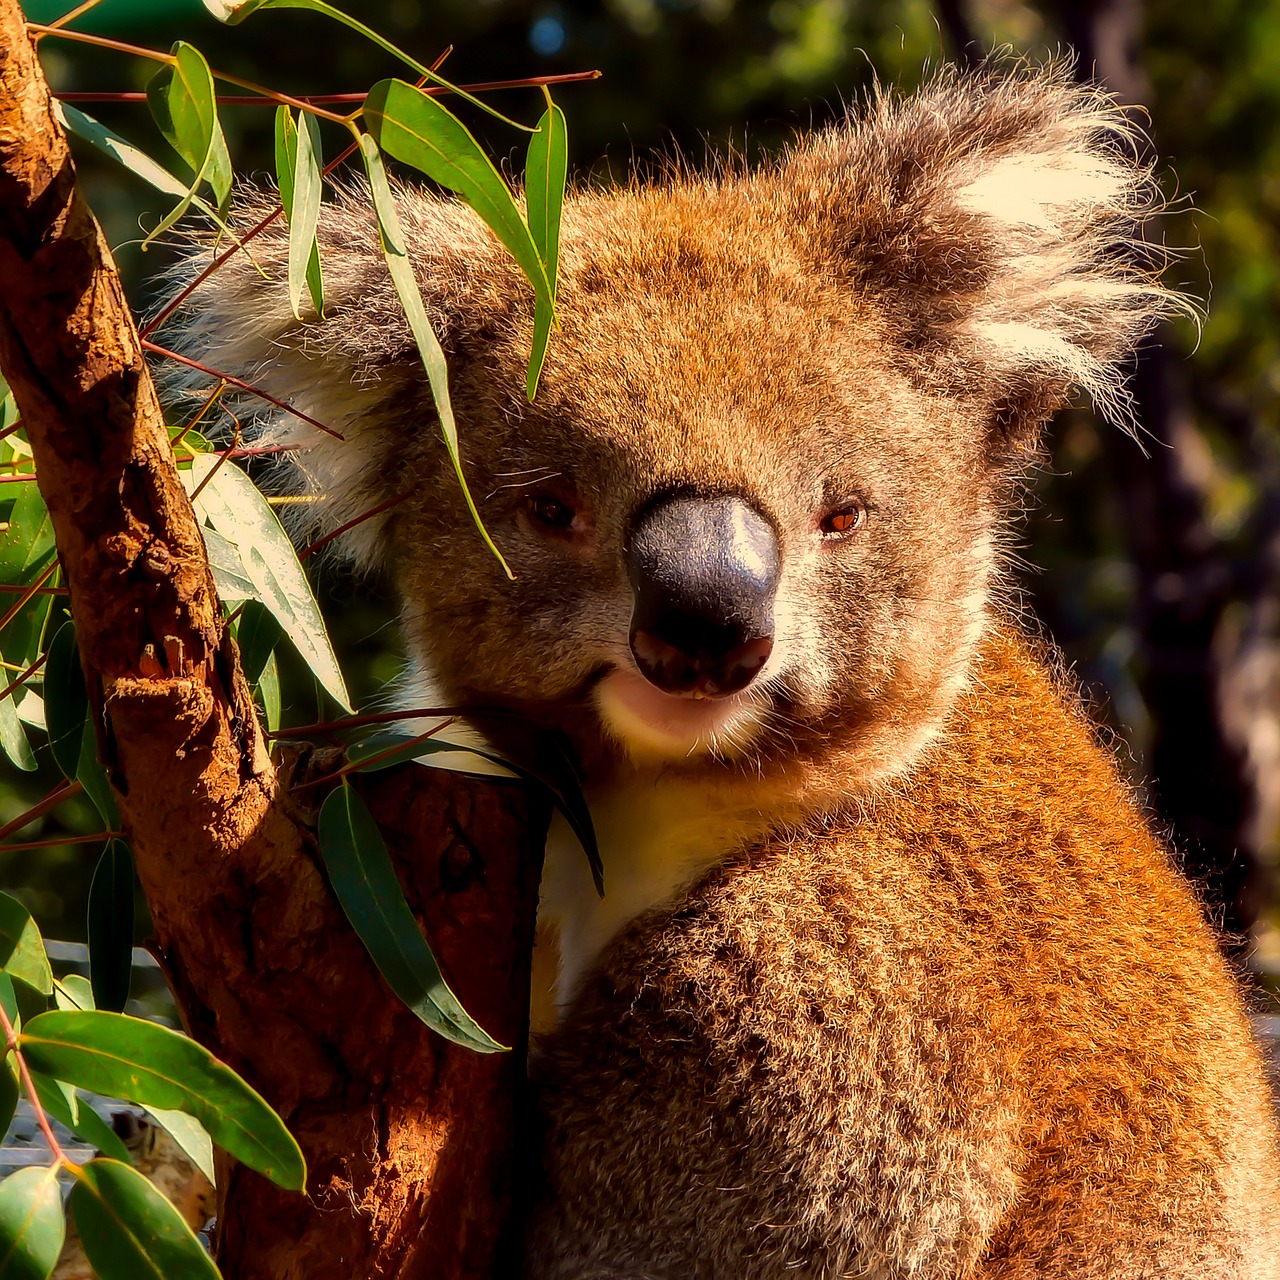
(978, 1029)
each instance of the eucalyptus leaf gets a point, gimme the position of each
(93, 778)
(66, 706)
(298, 172)
(110, 927)
(32, 1224)
(236, 510)
(235, 11)
(190, 1135)
(73, 992)
(257, 634)
(184, 104)
(22, 953)
(13, 738)
(268, 691)
(9, 1094)
(545, 175)
(541, 761)
(229, 576)
(61, 1101)
(416, 128)
(26, 551)
(129, 1231)
(365, 883)
(138, 163)
(9, 1000)
(142, 1062)
(406, 286)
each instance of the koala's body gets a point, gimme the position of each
(890, 978)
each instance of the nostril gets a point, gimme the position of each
(709, 674)
(740, 666)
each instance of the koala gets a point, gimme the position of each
(891, 977)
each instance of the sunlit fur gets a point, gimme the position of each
(890, 979)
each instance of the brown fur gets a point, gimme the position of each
(890, 979)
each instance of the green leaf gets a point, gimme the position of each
(26, 551)
(229, 574)
(139, 164)
(406, 285)
(110, 927)
(190, 1135)
(9, 1093)
(129, 1231)
(235, 11)
(257, 634)
(414, 127)
(545, 175)
(298, 171)
(268, 691)
(9, 1000)
(235, 508)
(13, 738)
(93, 778)
(183, 102)
(124, 1057)
(365, 883)
(73, 992)
(32, 1225)
(62, 1102)
(22, 953)
(66, 706)
(57, 1097)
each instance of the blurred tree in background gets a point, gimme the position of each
(1159, 576)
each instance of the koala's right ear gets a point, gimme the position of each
(993, 219)
(357, 370)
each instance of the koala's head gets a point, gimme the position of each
(752, 509)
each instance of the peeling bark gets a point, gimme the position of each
(408, 1139)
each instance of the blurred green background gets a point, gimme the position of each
(1159, 575)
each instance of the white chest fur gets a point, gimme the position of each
(656, 833)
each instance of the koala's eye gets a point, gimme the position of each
(551, 512)
(847, 518)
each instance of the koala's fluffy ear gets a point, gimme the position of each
(357, 369)
(995, 220)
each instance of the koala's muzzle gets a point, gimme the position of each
(704, 571)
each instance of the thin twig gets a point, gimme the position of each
(351, 524)
(63, 791)
(11, 1043)
(155, 349)
(28, 593)
(24, 677)
(25, 845)
(338, 99)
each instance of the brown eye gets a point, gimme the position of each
(551, 511)
(844, 520)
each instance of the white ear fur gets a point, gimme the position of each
(353, 371)
(998, 218)
(1072, 289)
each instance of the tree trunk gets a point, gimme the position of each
(408, 1139)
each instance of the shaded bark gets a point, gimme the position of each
(408, 1139)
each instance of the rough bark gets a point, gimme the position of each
(403, 1133)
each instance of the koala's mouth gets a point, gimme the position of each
(653, 726)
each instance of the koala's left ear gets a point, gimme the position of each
(993, 219)
(356, 370)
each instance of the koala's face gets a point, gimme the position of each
(750, 512)
(736, 526)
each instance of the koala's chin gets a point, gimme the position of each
(653, 727)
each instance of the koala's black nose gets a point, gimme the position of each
(704, 571)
